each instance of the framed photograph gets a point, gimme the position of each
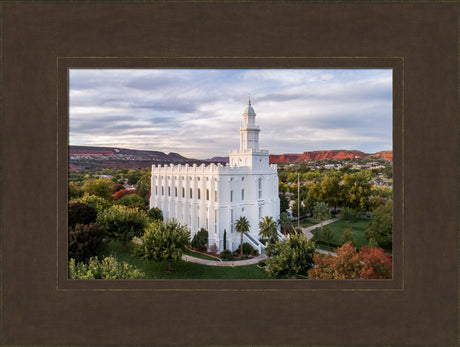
(46, 108)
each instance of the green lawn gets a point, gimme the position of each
(358, 228)
(186, 270)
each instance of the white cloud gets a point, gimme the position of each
(197, 113)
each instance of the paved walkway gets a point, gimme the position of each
(255, 260)
(216, 262)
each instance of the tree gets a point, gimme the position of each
(123, 223)
(86, 241)
(242, 226)
(348, 264)
(327, 236)
(285, 223)
(347, 213)
(155, 214)
(123, 192)
(81, 213)
(117, 187)
(100, 204)
(348, 236)
(376, 263)
(143, 184)
(268, 229)
(357, 190)
(327, 190)
(200, 240)
(101, 187)
(107, 268)
(164, 241)
(131, 199)
(380, 227)
(284, 203)
(309, 203)
(372, 243)
(74, 191)
(296, 212)
(133, 177)
(321, 212)
(290, 258)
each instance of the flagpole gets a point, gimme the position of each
(298, 200)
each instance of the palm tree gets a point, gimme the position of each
(268, 229)
(285, 223)
(242, 226)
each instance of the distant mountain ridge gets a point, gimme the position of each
(114, 157)
(319, 155)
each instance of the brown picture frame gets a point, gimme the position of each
(41, 40)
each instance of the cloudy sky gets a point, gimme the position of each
(197, 112)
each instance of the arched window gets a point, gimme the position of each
(183, 192)
(169, 191)
(156, 190)
(199, 193)
(175, 192)
(215, 195)
(260, 188)
(242, 194)
(191, 196)
(231, 196)
(162, 190)
(207, 194)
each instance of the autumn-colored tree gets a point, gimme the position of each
(376, 263)
(346, 265)
(117, 187)
(370, 263)
(121, 193)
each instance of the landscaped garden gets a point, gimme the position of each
(358, 227)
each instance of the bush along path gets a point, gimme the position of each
(251, 261)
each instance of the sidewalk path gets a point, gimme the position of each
(251, 261)
(307, 231)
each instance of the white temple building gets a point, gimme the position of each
(214, 196)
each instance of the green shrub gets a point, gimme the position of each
(348, 213)
(107, 268)
(227, 255)
(131, 199)
(100, 204)
(200, 240)
(155, 214)
(123, 223)
(86, 241)
(248, 249)
(81, 213)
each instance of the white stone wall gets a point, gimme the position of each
(216, 191)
